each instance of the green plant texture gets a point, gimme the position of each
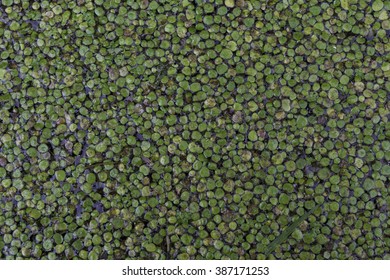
(200, 130)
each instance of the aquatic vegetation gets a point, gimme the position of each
(219, 129)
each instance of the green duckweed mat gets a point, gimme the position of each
(225, 129)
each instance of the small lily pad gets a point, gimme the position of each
(35, 214)
(60, 175)
(229, 3)
(150, 247)
(301, 122)
(252, 136)
(377, 5)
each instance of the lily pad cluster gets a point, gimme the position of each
(219, 129)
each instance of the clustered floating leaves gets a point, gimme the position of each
(220, 129)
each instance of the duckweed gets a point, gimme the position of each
(221, 129)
